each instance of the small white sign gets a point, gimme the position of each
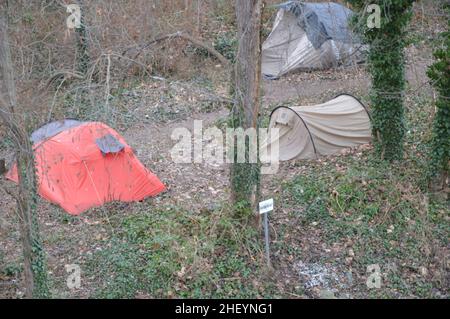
(266, 206)
(74, 278)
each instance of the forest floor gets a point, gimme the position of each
(334, 218)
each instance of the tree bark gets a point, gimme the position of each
(83, 58)
(35, 273)
(245, 177)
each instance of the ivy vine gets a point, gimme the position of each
(386, 63)
(439, 73)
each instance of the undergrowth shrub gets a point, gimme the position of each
(166, 253)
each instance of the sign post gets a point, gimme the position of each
(264, 209)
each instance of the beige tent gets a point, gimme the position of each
(308, 132)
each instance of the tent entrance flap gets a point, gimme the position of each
(109, 144)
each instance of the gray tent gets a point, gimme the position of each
(51, 129)
(308, 36)
(107, 144)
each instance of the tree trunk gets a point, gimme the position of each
(35, 273)
(386, 64)
(35, 269)
(245, 177)
(83, 58)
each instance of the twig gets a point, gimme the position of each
(107, 90)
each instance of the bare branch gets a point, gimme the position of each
(185, 36)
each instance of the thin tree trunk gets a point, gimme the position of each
(35, 273)
(83, 58)
(245, 177)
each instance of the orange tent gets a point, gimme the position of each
(86, 164)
